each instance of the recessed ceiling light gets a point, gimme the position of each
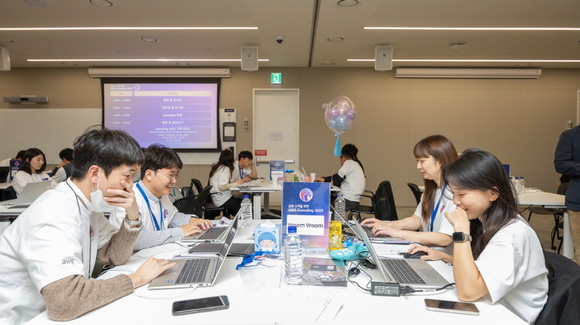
(470, 60)
(457, 45)
(35, 3)
(347, 3)
(122, 28)
(335, 38)
(140, 60)
(149, 39)
(101, 3)
(479, 28)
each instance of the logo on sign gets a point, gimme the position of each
(306, 195)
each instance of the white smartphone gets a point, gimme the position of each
(447, 306)
(200, 305)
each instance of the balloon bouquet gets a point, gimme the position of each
(338, 115)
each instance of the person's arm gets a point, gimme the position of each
(20, 181)
(468, 280)
(254, 173)
(432, 254)
(564, 156)
(73, 296)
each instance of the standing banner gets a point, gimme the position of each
(306, 206)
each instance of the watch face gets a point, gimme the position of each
(458, 236)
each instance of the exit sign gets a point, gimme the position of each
(276, 78)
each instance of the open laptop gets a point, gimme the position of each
(213, 235)
(369, 232)
(415, 273)
(194, 271)
(30, 192)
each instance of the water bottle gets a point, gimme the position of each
(340, 206)
(293, 257)
(246, 207)
(522, 185)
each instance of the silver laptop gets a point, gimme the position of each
(214, 234)
(195, 271)
(415, 273)
(369, 232)
(30, 192)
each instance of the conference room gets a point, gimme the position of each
(503, 77)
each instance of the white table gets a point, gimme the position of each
(552, 200)
(259, 297)
(256, 189)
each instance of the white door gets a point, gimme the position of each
(276, 129)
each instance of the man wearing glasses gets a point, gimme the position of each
(162, 223)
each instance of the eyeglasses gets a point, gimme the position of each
(172, 177)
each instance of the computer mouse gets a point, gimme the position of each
(414, 255)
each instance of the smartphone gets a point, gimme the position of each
(457, 307)
(200, 305)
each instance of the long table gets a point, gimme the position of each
(552, 200)
(258, 296)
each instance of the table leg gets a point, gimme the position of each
(267, 211)
(567, 240)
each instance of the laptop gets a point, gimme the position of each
(415, 273)
(369, 232)
(30, 192)
(196, 271)
(214, 235)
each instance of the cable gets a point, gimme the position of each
(356, 283)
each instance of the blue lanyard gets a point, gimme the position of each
(158, 225)
(241, 172)
(434, 213)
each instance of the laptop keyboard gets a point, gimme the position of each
(402, 271)
(193, 271)
(212, 233)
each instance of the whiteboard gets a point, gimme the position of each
(53, 129)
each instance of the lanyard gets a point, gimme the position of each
(434, 213)
(241, 172)
(158, 225)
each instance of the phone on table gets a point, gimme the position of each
(457, 307)
(200, 305)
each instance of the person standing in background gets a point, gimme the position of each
(567, 162)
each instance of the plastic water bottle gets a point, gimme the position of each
(340, 206)
(293, 257)
(246, 207)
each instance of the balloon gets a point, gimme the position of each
(339, 114)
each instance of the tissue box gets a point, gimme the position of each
(267, 238)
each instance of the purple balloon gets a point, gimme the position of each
(339, 114)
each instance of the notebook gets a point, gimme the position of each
(30, 192)
(415, 273)
(215, 234)
(196, 271)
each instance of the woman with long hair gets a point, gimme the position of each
(31, 170)
(433, 153)
(496, 253)
(220, 178)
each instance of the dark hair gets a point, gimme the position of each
(20, 154)
(105, 148)
(27, 156)
(443, 151)
(66, 153)
(480, 170)
(226, 159)
(158, 157)
(350, 151)
(245, 154)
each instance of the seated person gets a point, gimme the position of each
(221, 179)
(244, 168)
(162, 223)
(6, 162)
(63, 170)
(499, 258)
(31, 170)
(432, 153)
(49, 252)
(350, 177)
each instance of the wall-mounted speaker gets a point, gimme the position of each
(383, 58)
(249, 58)
(4, 59)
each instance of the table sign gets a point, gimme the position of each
(306, 206)
(276, 169)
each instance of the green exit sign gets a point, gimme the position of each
(276, 78)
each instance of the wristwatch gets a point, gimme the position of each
(460, 237)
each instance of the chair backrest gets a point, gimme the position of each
(563, 293)
(416, 192)
(185, 205)
(187, 191)
(202, 199)
(196, 184)
(384, 202)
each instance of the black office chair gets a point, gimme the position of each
(382, 204)
(187, 191)
(563, 293)
(416, 192)
(196, 184)
(210, 211)
(185, 205)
